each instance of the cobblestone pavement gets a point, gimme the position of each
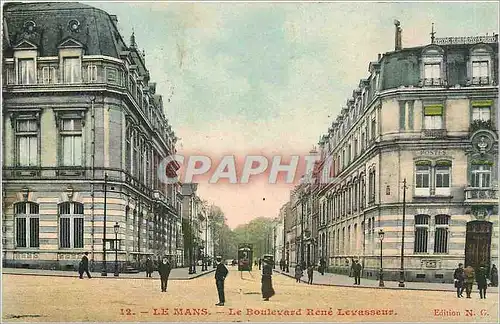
(332, 279)
(175, 274)
(57, 299)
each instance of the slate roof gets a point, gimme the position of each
(97, 31)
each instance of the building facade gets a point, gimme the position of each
(84, 132)
(414, 153)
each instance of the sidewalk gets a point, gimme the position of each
(175, 274)
(331, 279)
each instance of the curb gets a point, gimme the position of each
(364, 287)
(107, 277)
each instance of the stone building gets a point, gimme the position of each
(417, 138)
(416, 144)
(84, 131)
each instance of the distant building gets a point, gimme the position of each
(84, 132)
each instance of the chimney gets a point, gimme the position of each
(379, 57)
(397, 43)
(114, 19)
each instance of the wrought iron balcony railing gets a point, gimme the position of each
(481, 195)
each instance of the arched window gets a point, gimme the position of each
(71, 225)
(27, 224)
(441, 234)
(421, 233)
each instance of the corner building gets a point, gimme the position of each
(84, 132)
(428, 115)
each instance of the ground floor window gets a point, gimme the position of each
(71, 225)
(27, 224)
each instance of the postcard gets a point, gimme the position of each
(239, 161)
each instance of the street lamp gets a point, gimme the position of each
(381, 274)
(116, 229)
(402, 269)
(104, 272)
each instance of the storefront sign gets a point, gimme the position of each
(432, 152)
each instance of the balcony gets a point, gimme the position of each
(481, 196)
(484, 80)
(436, 133)
(478, 124)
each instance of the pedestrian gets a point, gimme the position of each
(356, 270)
(351, 270)
(459, 278)
(282, 265)
(310, 273)
(84, 266)
(298, 272)
(164, 270)
(469, 280)
(220, 275)
(322, 265)
(481, 281)
(287, 266)
(494, 276)
(260, 264)
(149, 267)
(267, 284)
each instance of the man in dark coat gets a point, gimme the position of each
(356, 271)
(482, 284)
(84, 266)
(220, 275)
(322, 266)
(267, 284)
(164, 270)
(149, 267)
(459, 278)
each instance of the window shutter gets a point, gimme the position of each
(433, 110)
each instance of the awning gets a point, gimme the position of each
(433, 110)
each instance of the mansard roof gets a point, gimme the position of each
(48, 24)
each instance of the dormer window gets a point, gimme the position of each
(480, 64)
(432, 71)
(72, 70)
(26, 71)
(432, 66)
(480, 72)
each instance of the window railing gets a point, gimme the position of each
(439, 133)
(480, 124)
(432, 82)
(480, 80)
(481, 193)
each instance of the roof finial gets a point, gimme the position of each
(132, 39)
(432, 34)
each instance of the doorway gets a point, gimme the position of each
(478, 244)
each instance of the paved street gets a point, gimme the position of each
(35, 298)
(175, 274)
(332, 279)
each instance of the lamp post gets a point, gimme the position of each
(381, 273)
(116, 229)
(104, 272)
(402, 269)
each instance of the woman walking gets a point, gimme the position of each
(494, 276)
(267, 284)
(298, 272)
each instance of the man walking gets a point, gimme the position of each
(469, 280)
(482, 284)
(459, 277)
(356, 270)
(84, 266)
(164, 269)
(322, 266)
(220, 275)
(310, 274)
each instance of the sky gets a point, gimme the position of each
(269, 78)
